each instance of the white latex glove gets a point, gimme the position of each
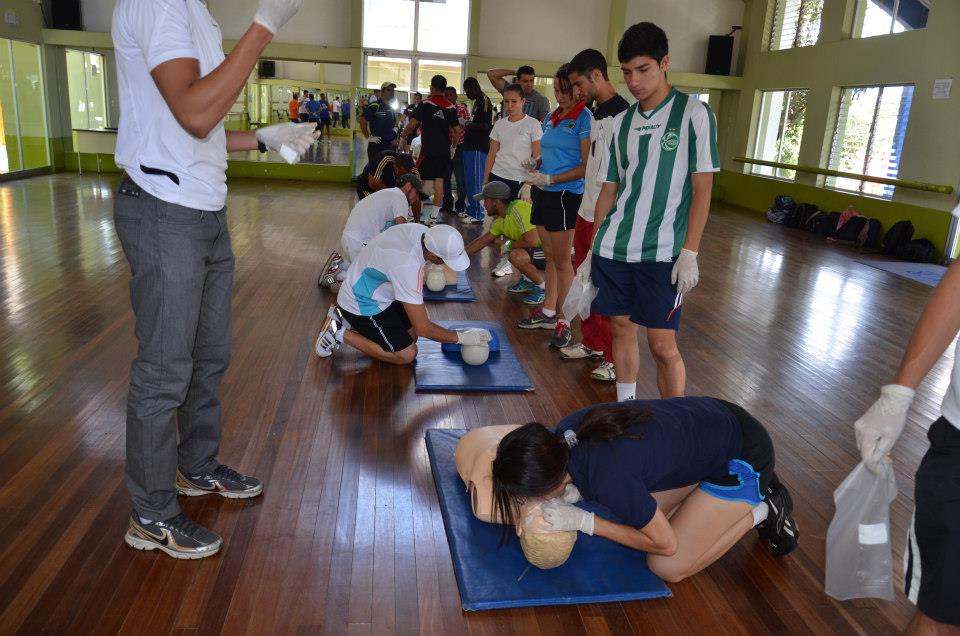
(297, 137)
(506, 247)
(571, 494)
(686, 273)
(538, 179)
(565, 517)
(473, 337)
(877, 430)
(374, 139)
(273, 14)
(529, 163)
(525, 194)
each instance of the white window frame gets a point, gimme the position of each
(756, 169)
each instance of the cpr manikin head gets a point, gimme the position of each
(474, 457)
(475, 355)
(435, 280)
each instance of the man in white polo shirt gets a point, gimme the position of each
(370, 216)
(175, 87)
(380, 308)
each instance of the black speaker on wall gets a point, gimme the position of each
(64, 14)
(267, 69)
(719, 55)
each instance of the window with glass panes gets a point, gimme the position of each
(779, 131)
(794, 23)
(868, 140)
(882, 17)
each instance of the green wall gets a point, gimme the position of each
(933, 135)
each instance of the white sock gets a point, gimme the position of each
(626, 391)
(760, 512)
(144, 521)
(542, 285)
(341, 276)
(549, 313)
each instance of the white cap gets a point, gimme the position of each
(446, 242)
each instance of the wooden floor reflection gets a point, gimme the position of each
(348, 538)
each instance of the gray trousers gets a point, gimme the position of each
(182, 266)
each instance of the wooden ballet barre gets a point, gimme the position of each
(903, 183)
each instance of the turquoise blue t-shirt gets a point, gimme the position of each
(560, 146)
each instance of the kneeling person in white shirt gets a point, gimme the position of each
(372, 215)
(380, 307)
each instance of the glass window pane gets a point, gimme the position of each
(877, 18)
(389, 69)
(912, 14)
(795, 23)
(10, 148)
(780, 131)
(442, 26)
(30, 106)
(849, 154)
(426, 69)
(94, 69)
(76, 91)
(388, 24)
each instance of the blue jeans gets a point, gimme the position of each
(473, 164)
(182, 265)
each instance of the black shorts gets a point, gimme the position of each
(555, 211)
(642, 291)
(514, 185)
(390, 328)
(756, 448)
(932, 559)
(433, 167)
(537, 257)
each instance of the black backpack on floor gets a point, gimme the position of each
(870, 234)
(782, 208)
(918, 251)
(826, 224)
(849, 232)
(799, 217)
(897, 236)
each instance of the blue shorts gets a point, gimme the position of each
(642, 291)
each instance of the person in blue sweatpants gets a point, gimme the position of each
(476, 142)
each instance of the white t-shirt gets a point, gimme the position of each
(389, 268)
(145, 35)
(335, 106)
(951, 401)
(516, 145)
(375, 213)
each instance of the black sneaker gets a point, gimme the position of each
(779, 529)
(180, 537)
(223, 481)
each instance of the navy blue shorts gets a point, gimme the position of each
(642, 291)
(514, 185)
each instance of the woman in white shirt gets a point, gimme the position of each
(514, 140)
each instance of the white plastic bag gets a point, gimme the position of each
(859, 559)
(581, 294)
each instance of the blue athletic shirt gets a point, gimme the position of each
(382, 121)
(560, 145)
(688, 440)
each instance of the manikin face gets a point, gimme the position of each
(526, 82)
(644, 76)
(585, 86)
(512, 104)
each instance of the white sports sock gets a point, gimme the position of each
(549, 313)
(144, 521)
(341, 276)
(626, 391)
(542, 285)
(760, 512)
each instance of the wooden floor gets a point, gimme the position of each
(347, 538)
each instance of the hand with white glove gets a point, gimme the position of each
(273, 14)
(525, 193)
(686, 273)
(505, 247)
(564, 517)
(374, 139)
(539, 179)
(571, 494)
(473, 337)
(296, 137)
(878, 429)
(530, 163)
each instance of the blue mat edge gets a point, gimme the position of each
(511, 388)
(485, 605)
(877, 265)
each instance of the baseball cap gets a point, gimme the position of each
(386, 85)
(446, 242)
(412, 179)
(494, 190)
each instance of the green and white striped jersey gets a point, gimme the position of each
(652, 157)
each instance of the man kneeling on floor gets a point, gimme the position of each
(370, 216)
(380, 308)
(516, 235)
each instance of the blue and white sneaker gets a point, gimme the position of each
(535, 297)
(523, 286)
(223, 481)
(179, 536)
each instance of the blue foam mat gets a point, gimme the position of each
(598, 571)
(459, 292)
(438, 370)
(926, 273)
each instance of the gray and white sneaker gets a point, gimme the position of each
(223, 481)
(179, 536)
(503, 268)
(605, 372)
(331, 333)
(579, 351)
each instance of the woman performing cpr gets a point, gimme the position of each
(686, 478)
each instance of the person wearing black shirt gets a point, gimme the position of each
(439, 125)
(588, 74)
(476, 143)
(378, 123)
(388, 165)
